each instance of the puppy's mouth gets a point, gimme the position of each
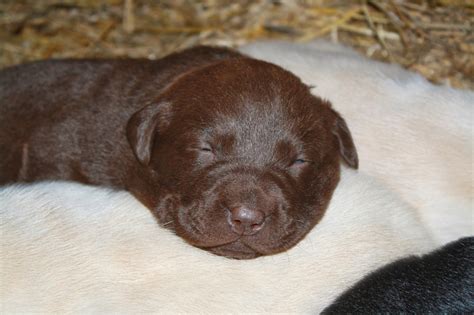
(237, 249)
(215, 233)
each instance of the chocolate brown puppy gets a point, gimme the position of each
(233, 154)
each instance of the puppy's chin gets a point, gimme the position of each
(234, 250)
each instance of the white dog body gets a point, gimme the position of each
(73, 248)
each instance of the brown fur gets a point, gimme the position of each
(194, 136)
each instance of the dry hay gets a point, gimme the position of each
(434, 38)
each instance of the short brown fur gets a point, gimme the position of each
(194, 136)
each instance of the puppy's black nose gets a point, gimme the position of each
(246, 221)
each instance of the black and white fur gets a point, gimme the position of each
(441, 282)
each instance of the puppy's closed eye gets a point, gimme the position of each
(299, 163)
(206, 149)
(205, 153)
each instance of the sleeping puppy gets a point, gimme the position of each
(441, 282)
(413, 135)
(233, 154)
(69, 248)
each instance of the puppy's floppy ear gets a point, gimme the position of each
(346, 144)
(143, 126)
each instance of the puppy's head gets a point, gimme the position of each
(245, 158)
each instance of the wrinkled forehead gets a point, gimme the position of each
(258, 131)
(255, 127)
(256, 111)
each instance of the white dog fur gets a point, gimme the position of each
(413, 135)
(73, 248)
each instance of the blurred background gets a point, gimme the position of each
(434, 38)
